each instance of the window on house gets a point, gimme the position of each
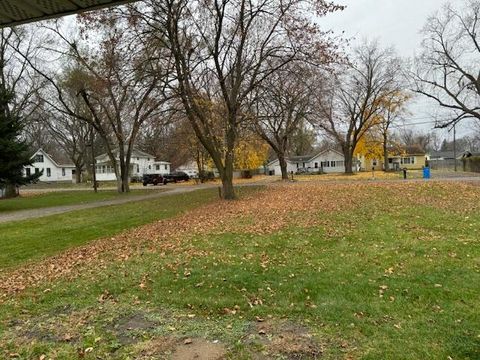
(28, 171)
(333, 163)
(149, 167)
(340, 163)
(49, 172)
(316, 165)
(63, 171)
(148, 159)
(166, 167)
(138, 158)
(37, 170)
(138, 168)
(157, 167)
(407, 161)
(38, 158)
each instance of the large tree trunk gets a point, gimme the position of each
(386, 165)
(123, 179)
(228, 191)
(10, 191)
(78, 174)
(125, 182)
(348, 154)
(283, 165)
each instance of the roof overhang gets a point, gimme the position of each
(16, 12)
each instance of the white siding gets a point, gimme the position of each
(275, 167)
(139, 165)
(51, 171)
(332, 161)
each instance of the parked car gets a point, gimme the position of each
(176, 177)
(154, 179)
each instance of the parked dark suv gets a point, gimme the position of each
(154, 179)
(176, 177)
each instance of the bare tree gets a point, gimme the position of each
(448, 70)
(415, 139)
(223, 50)
(393, 106)
(282, 105)
(353, 103)
(122, 80)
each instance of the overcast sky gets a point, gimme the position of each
(396, 23)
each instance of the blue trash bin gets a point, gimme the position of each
(426, 172)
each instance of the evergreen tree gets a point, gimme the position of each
(14, 155)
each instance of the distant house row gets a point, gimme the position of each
(333, 161)
(326, 161)
(57, 170)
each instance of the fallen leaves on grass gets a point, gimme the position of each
(264, 212)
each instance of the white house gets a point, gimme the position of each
(53, 169)
(326, 161)
(140, 163)
(191, 168)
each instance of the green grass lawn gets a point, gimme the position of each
(37, 238)
(60, 198)
(397, 276)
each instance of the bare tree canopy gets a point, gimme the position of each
(281, 107)
(355, 99)
(120, 78)
(224, 49)
(448, 70)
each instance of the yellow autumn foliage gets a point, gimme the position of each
(250, 154)
(370, 147)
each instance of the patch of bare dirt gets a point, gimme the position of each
(199, 349)
(271, 339)
(181, 349)
(127, 328)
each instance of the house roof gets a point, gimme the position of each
(15, 12)
(306, 158)
(135, 153)
(467, 154)
(442, 155)
(301, 158)
(60, 160)
(324, 151)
